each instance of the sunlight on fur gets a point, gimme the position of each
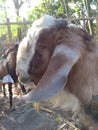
(66, 101)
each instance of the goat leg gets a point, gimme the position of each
(4, 93)
(10, 93)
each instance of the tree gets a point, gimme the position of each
(3, 15)
(70, 9)
(51, 7)
(18, 4)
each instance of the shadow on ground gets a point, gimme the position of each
(24, 117)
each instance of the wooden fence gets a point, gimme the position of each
(8, 25)
(25, 24)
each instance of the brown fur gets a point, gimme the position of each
(82, 80)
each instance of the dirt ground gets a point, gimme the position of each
(24, 117)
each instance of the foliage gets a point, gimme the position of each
(51, 7)
(4, 34)
(2, 10)
(70, 9)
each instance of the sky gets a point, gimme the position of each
(23, 10)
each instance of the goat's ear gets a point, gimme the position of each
(56, 75)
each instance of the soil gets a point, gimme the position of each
(24, 117)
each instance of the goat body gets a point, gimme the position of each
(61, 59)
(8, 67)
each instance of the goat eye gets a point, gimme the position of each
(42, 47)
(37, 54)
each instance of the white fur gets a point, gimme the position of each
(25, 56)
(26, 48)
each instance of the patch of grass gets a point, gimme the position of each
(58, 119)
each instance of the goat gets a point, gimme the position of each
(7, 67)
(61, 59)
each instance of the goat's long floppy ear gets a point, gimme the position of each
(56, 75)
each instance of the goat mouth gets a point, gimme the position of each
(27, 82)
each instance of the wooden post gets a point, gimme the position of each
(87, 5)
(66, 7)
(84, 23)
(25, 26)
(19, 34)
(9, 30)
(97, 27)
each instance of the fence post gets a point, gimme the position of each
(97, 27)
(9, 30)
(19, 34)
(87, 5)
(25, 26)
